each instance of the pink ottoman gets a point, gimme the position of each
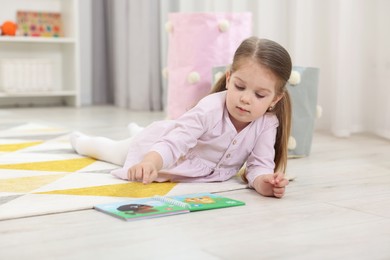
(197, 43)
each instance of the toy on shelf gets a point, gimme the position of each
(39, 24)
(8, 28)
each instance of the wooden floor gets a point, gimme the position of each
(338, 207)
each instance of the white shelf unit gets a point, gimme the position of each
(63, 52)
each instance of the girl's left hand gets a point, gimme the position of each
(279, 183)
(271, 184)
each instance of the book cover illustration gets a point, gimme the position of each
(141, 209)
(206, 201)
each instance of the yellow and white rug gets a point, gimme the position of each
(41, 174)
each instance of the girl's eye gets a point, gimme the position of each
(259, 96)
(239, 87)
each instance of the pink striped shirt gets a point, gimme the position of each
(203, 145)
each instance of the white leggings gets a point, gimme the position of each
(104, 149)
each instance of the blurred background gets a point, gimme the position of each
(347, 40)
(122, 50)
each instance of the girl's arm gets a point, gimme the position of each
(261, 159)
(189, 128)
(260, 163)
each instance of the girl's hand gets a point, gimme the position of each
(144, 172)
(271, 184)
(147, 170)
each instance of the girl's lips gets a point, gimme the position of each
(242, 110)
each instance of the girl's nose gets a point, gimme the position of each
(245, 98)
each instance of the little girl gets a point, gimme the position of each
(246, 118)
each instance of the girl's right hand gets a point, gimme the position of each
(144, 172)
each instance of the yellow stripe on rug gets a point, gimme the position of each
(69, 165)
(16, 147)
(130, 189)
(27, 184)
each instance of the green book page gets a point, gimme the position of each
(140, 209)
(206, 201)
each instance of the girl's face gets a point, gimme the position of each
(250, 92)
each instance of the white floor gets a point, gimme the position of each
(338, 207)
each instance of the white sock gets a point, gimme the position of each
(74, 139)
(134, 129)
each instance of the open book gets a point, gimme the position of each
(159, 206)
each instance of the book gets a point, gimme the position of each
(140, 209)
(159, 206)
(205, 201)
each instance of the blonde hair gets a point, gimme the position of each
(275, 58)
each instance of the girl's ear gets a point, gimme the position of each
(276, 100)
(227, 78)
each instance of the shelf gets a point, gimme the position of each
(55, 61)
(39, 94)
(27, 39)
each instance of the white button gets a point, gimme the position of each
(228, 155)
(235, 141)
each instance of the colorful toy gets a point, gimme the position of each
(9, 28)
(39, 24)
